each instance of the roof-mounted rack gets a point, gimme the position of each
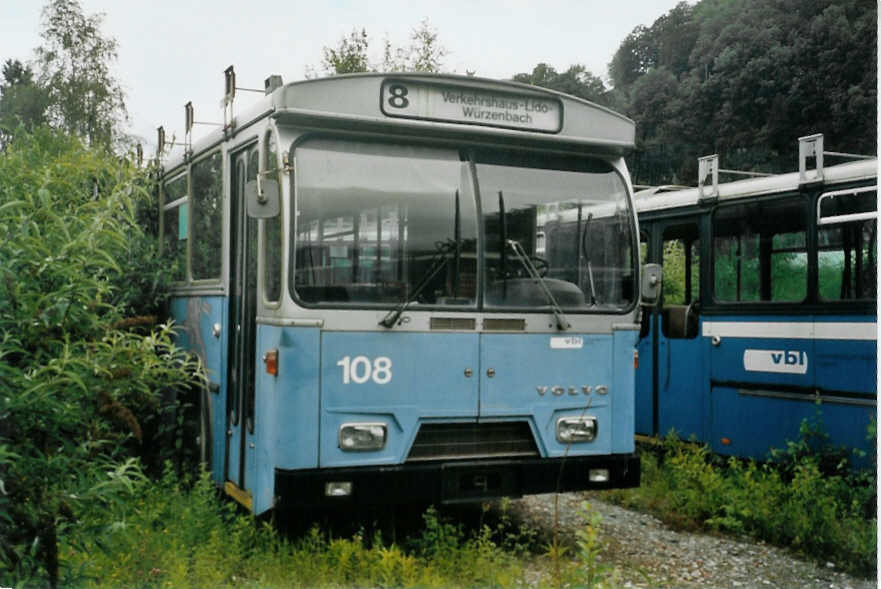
(708, 165)
(811, 146)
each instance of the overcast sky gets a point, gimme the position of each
(174, 51)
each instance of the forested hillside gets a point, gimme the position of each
(745, 79)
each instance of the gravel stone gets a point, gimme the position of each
(647, 553)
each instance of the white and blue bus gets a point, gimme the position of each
(768, 313)
(365, 266)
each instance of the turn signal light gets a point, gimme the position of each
(270, 359)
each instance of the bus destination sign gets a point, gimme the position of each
(474, 106)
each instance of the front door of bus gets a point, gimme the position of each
(242, 313)
(671, 368)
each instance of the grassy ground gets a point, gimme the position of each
(801, 499)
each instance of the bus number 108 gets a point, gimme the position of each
(360, 369)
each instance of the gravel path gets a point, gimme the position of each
(647, 553)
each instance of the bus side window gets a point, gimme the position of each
(681, 284)
(846, 246)
(271, 227)
(175, 226)
(207, 247)
(760, 252)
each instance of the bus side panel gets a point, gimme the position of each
(542, 377)
(761, 374)
(846, 365)
(286, 412)
(644, 381)
(759, 351)
(751, 425)
(196, 317)
(681, 387)
(397, 379)
(623, 397)
(292, 398)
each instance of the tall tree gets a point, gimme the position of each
(22, 101)
(745, 78)
(576, 81)
(349, 57)
(425, 53)
(75, 59)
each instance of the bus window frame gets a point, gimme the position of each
(839, 219)
(263, 263)
(291, 230)
(821, 223)
(466, 155)
(223, 218)
(760, 305)
(176, 204)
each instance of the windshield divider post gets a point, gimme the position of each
(457, 237)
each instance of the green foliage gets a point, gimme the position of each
(802, 499)
(84, 98)
(744, 79)
(425, 53)
(79, 391)
(576, 81)
(22, 101)
(177, 533)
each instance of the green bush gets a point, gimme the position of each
(77, 388)
(794, 501)
(178, 533)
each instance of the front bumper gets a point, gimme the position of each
(455, 481)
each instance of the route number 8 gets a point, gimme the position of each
(398, 98)
(359, 369)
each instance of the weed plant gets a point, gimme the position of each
(176, 533)
(799, 499)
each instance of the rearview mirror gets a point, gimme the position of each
(652, 278)
(263, 198)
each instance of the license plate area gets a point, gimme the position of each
(469, 483)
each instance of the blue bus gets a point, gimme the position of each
(370, 269)
(768, 311)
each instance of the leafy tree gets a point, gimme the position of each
(84, 98)
(424, 54)
(22, 101)
(349, 57)
(576, 81)
(80, 391)
(746, 78)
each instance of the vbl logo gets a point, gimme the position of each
(780, 361)
(789, 357)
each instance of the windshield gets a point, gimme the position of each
(388, 225)
(372, 220)
(572, 218)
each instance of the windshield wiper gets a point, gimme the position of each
(438, 261)
(562, 323)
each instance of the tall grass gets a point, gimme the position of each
(170, 535)
(796, 500)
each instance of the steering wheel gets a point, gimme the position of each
(541, 265)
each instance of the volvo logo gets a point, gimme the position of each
(559, 391)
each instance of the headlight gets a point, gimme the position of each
(576, 429)
(355, 437)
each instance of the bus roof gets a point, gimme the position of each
(439, 104)
(658, 200)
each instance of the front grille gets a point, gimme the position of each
(445, 441)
